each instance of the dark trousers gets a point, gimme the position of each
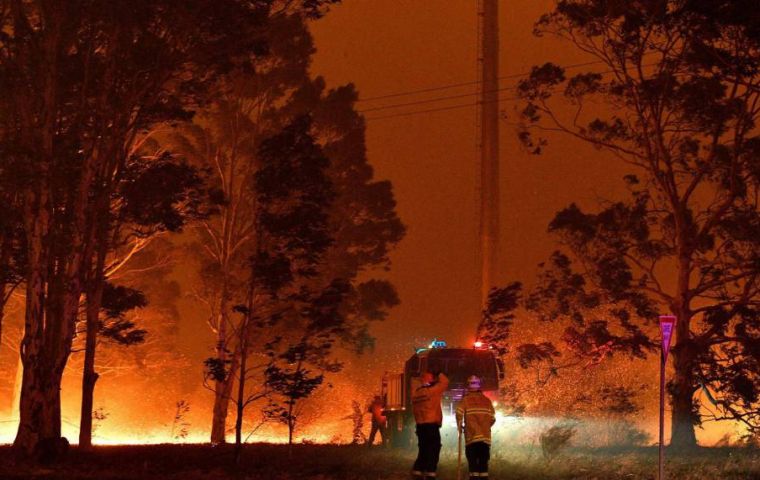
(478, 454)
(429, 444)
(377, 427)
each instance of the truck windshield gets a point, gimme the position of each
(461, 363)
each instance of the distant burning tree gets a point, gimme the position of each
(180, 426)
(357, 419)
(550, 377)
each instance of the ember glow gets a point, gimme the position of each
(128, 417)
(134, 417)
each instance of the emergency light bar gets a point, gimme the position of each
(438, 344)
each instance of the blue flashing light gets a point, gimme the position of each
(438, 344)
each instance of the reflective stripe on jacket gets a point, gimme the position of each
(426, 402)
(478, 414)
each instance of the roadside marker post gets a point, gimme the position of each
(667, 325)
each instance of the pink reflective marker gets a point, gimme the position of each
(667, 324)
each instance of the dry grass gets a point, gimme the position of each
(328, 462)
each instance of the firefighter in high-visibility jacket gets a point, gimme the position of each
(426, 405)
(476, 414)
(379, 421)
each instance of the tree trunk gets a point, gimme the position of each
(221, 405)
(95, 286)
(222, 388)
(243, 371)
(682, 387)
(291, 420)
(49, 331)
(54, 292)
(291, 427)
(39, 401)
(39, 409)
(89, 375)
(683, 419)
(222, 396)
(32, 405)
(241, 395)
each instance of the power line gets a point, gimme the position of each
(464, 84)
(421, 90)
(449, 97)
(440, 109)
(432, 100)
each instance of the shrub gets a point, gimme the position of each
(627, 434)
(555, 439)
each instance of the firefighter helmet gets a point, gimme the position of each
(473, 382)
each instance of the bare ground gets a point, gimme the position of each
(328, 462)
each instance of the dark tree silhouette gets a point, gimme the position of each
(495, 327)
(82, 80)
(290, 314)
(675, 97)
(109, 324)
(227, 136)
(154, 195)
(303, 355)
(289, 385)
(293, 194)
(117, 300)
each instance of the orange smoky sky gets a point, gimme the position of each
(390, 46)
(387, 47)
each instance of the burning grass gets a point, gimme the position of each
(327, 462)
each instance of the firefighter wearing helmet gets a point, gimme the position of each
(426, 405)
(475, 413)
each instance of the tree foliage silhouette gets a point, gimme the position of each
(677, 102)
(83, 82)
(227, 136)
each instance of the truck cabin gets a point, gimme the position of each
(458, 364)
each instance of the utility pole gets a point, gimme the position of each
(488, 118)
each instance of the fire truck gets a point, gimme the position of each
(457, 363)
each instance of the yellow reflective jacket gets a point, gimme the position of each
(478, 414)
(426, 402)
